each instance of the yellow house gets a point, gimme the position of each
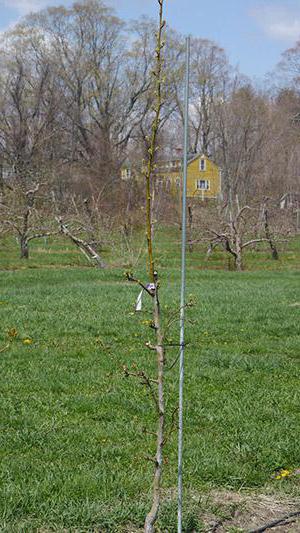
(203, 177)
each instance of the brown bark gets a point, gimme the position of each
(156, 494)
(272, 244)
(24, 247)
(160, 353)
(24, 231)
(238, 256)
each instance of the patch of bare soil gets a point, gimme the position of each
(239, 512)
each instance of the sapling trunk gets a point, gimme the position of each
(152, 289)
(157, 73)
(153, 513)
(159, 346)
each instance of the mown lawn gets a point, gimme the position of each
(73, 440)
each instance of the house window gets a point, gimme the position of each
(126, 173)
(202, 165)
(202, 185)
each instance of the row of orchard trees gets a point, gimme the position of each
(76, 100)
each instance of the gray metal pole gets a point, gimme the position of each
(182, 294)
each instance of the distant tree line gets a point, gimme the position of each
(76, 101)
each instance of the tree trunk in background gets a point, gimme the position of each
(238, 258)
(24, 247)
(274, 250)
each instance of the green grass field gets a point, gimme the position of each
(73, 440)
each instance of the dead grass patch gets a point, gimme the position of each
(239, 512)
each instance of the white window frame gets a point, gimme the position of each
(202, 161)
(206, 185)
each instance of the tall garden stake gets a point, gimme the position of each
(182, 292)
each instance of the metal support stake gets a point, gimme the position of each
(182, 294)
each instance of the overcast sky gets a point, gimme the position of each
(253, 32)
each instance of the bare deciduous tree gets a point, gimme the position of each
(28, 220)
(242, 127)
(27, 107)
